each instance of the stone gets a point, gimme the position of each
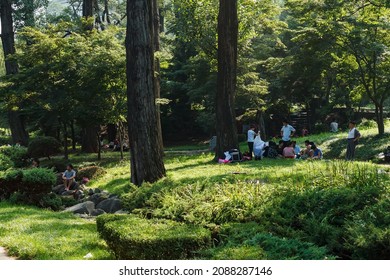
(97, 212)
(59, 189)
(90, 192)
(81, 208)
(97, 190)
(110, 205)
(97, 198)
(122, 212)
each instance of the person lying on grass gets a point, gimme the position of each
(69, 176)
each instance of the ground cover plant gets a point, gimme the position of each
(268, 209)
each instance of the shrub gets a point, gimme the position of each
(131, 237)
(38, 180)
(5, 162)
(18, 155)
(51, 201)
(10, 182)
(91, 172)
(44, 147)
(369, 232)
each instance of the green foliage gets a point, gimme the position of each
(5, 162)
(131, 237)
(30, 233)
(51, 201)
(90, 172)
(10, 182)
(36, 184)
(44, 147)
(18, 155)
(369, 232)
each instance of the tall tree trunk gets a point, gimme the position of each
(261, 123)
(144, 134)
(89, 143)
(88, 8)
(99, 146)
(227, 74)
(66, 153)
(15, 120)
(156, 41)
(379, 118)
(73, 135)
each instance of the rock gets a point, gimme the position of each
(81, 208)
(97, 198)
(59, 189)
(110, 205)
(113, 196)
(97, 190)
(122, 212)
(67, 193)
(97, 212)
(90, 192)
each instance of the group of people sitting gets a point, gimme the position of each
(289, 150)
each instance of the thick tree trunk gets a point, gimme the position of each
(73, 135)
(226, 82)
(88, 8)
(15, 120)
(144, 134)
(261, 123)
(111, 132)
(89, 142)
(66, 153)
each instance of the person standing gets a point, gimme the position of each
(334, 126)
(251, 138)
(352, 140)
(287, 131)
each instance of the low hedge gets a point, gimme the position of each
(134, 238)
(18, 155)
(5, 162)
(44, 147)
(90, 172)
(30, 184)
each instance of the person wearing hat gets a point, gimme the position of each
(352, 140)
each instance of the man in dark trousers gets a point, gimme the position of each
(352, 140)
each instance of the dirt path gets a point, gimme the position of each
(4, 256)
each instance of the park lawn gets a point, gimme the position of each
(199, 191)
(32, 233)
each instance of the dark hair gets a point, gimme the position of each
(307, 141)
(313, 146)
(285, 120)
(352, 122)
(71, 166)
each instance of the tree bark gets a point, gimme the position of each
(144, 134)
(88, 8)
(226, 128)
(15, 119)
(89, 143)
(156, 41)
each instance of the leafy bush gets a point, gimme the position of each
(38, 180)
(44, 146)
(367, 124)
(51, 201)
(18, 155)
(91, 172)
(10, 182)
(369, 232)
(5, 162)
(131, 237)
(248, 241)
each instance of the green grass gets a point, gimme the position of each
(32, 233)
(313, 204)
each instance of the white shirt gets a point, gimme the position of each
(351, 133)
(286, 130)
(334, 126)
(251, 135)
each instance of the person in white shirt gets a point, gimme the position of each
(287, 131)
(352, 140)
(334, 126)
(250, 139)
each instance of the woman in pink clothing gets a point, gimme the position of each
(288, 152)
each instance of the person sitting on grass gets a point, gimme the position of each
(69, 176)
(288, 152)
(297, 149)
(317, 153)
(305, 152)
